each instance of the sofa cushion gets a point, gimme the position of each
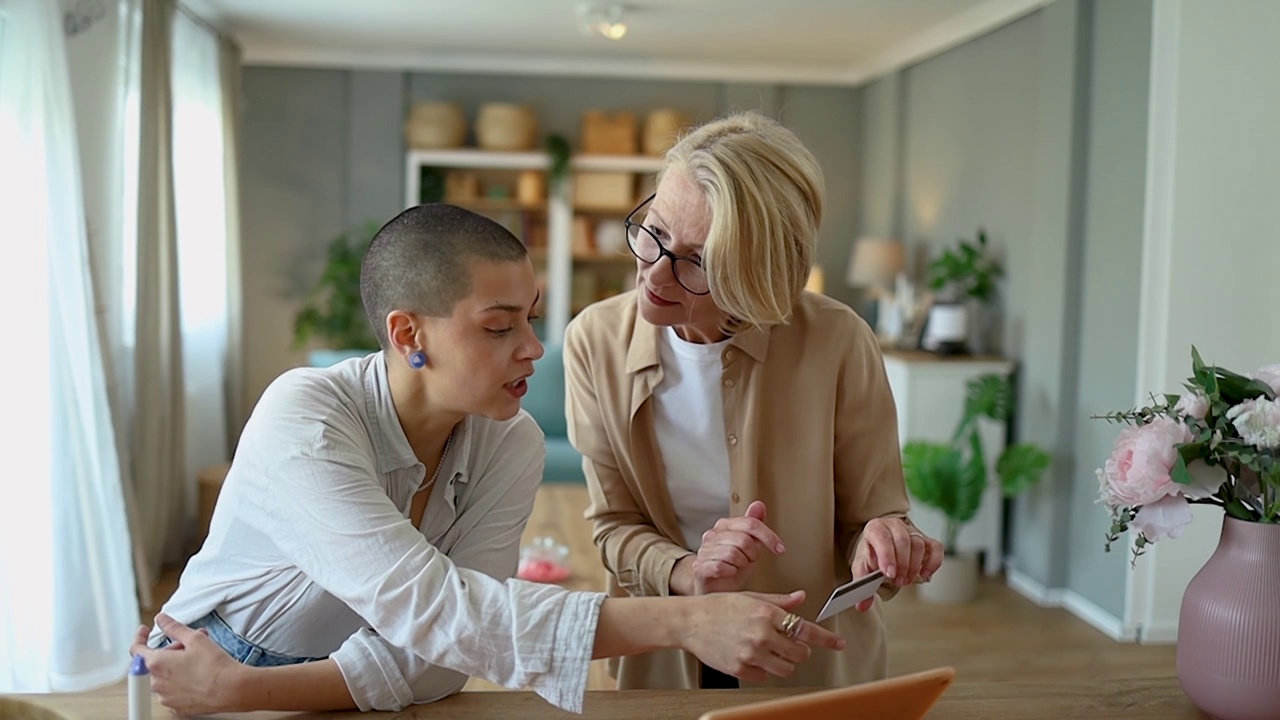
(545, 399)
(564, 464)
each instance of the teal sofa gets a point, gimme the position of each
(545, 402)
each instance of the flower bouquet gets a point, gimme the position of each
(1217, 444)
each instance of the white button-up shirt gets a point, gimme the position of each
(311, 553)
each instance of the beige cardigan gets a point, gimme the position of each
(811, 430)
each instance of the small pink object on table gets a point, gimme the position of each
(544, 561)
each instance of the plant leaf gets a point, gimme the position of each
(1179, 473)
(1235, 388)
(1021, 466)
(932, 472)
(973, 482)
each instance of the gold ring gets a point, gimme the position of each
(790, 625)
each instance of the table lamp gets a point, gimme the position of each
(816, 282)
(875, 264)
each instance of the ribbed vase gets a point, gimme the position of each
(1229, 628)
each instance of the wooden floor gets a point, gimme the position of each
(1000, 636)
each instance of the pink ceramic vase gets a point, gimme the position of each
(1229, 627)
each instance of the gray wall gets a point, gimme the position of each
(1045, 286)
(293, 194)
(324, 151)
(1114, 202)
(881, 143)
(826, 120)
(996, 133)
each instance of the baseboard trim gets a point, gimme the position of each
(1076, 604)
(1161, 634)
(1033, 589)
(1093, 614)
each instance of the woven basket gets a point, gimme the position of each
(435, 125)
(661, 130)
(506, 127)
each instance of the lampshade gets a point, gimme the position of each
(815, 283)
(875, 262)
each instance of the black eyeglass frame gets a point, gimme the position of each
(662, 249)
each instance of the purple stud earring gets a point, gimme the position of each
(417, 359)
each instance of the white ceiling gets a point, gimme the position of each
(819, 41)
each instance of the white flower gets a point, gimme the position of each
(1193, 405)
(1269, 374)
(1165, 518)
(1258, 422)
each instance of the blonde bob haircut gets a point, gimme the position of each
(765, 191)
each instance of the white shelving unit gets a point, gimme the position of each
(560, 208)
(930, 391)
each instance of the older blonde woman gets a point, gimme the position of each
(738, 432)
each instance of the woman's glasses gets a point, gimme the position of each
(646, 246)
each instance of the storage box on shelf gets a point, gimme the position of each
(599, 260)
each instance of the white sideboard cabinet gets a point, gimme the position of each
(929, 391)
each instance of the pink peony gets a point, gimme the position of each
(1164, 518)
(1206, 479)
(1193, 405)
(1138, 471)
(1269, 374)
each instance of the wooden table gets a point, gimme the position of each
(1160, 698)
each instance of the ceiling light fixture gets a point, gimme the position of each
(607, 20)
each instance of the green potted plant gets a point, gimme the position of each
(964, 282)
(560, 156)
(333, 321)
(952, 477)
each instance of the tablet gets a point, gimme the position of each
(906, 697)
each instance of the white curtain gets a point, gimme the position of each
(158, 438)
(229, 57)
(67, 606)
(200, 207)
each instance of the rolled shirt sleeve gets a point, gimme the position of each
(433, 620)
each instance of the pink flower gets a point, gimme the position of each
(1206, 479)
(1269, 374)
(1193, 405)
(1164, 518)
(1138, 471)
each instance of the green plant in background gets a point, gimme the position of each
(952, 476)
(966, 272)
(333, 313)
(558, 149)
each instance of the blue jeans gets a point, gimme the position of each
(237, 647)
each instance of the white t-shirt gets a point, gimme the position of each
(689, 423)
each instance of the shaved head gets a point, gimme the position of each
(420, 261)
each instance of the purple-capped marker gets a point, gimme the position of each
(139, 689)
